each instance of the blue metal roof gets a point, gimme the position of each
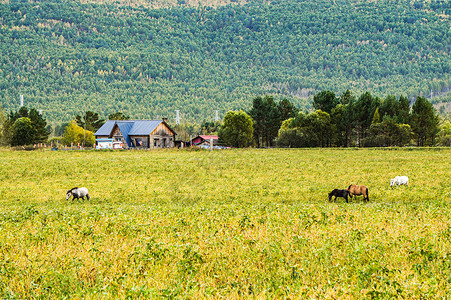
(144, 127)
(125, 128)
(106, 128)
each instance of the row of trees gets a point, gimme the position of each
(268, 116)
(343, 121)
(23, 127)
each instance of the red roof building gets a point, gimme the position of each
(204, 140)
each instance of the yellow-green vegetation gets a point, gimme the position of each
(167, 3)
(225, 224)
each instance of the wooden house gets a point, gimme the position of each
(138, 133)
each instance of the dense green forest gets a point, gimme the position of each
(70, 57)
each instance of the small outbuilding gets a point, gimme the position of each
(148, 134)
(204, 140)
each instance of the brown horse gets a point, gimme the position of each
(357, 190)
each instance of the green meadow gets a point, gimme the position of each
(225, 224)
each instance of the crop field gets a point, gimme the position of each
(225, 224)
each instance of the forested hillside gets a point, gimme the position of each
(69, 57)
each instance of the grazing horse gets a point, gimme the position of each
(78, 193)
(357, 190)
(399, 180)
(339, 193)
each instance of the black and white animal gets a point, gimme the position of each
(399, 180)
(77, 193)
(339, 193)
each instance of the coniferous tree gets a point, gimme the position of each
(403, 110)
(258, 115)
(349, 115)
(388, 107)
(365, 107)
(23, 132)
(424, 122)
(325, 101)
(90, 121)
(210, 128)
(286, 109)
(338, 120)
(22, 113)
(39, 124)
(346, 97)
(267, 120)
(398, 109)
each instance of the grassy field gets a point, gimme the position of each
(225, 224)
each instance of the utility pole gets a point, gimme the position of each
(84, 132)
(177, 117)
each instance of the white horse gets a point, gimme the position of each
(78, 193)
(399, 180)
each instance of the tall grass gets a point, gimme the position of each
(233, 224)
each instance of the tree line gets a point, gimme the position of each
(23, 127)
(335, 121)
(338, 121)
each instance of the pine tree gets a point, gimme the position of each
(325, 101)
(403, 110)
(90, 121)
(267, 120)
(39, 124)
(424, 122)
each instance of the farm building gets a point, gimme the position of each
(137, 133)
(204, 140)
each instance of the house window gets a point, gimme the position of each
(155, 142)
